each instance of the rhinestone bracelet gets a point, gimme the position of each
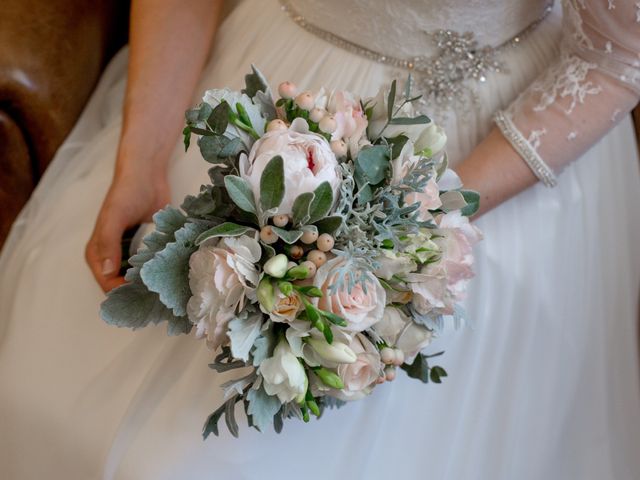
(525, 150)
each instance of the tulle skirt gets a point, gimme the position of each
(544, 382)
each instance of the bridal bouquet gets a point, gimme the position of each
(329, 247)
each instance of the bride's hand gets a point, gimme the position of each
(132, 199)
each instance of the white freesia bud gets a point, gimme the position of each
(317, 114)
(305, 101)
(276, 124)
(328, 124)
(335, 352)
(432, 138)
(276, 266)
(287, 90)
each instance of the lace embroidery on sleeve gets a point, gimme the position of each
(600, 52)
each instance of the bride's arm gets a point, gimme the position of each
(168, 48)
(593, 84)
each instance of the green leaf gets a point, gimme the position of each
(437, 373)
(219, 118)
(232, 148)
(473, 202)
(418, 369)
(391, 100)
(333, 318)
(204, 112)
(262, 407)
(310, 291)
(243, 115)
(321, 203)
(420, 119)
(227, 229)
(167, 273)
(300, 209)
(397, 144)
(210, 147)
(255, 82)
(243, 331)
(287, 236)
(372, 163)
(240, 192)
(328, 224)
(230, 417)
(186, 133)
(272, 184)
(211, 424)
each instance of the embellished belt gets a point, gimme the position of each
(443, 79)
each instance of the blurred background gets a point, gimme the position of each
(51, 56)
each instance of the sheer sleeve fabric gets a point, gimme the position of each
(593, 83)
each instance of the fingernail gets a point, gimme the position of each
(107, 267)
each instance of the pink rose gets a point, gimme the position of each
(359, 308)
(360, 376)
(429, 199)
(351, 122)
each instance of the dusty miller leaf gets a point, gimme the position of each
(243, 331)
(262, 408)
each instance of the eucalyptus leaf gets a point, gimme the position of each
(452, 200)
(420, 119)
(219, 118)
(227, 229)
(232, 148)
(240, 192)
(211, 146)
(287, 236)
(272, 184)
(204, 112)
(391, 100)
(262, 407)
(300, 209)
(328, 224)
(372, 163)
(418, 369)
(321, 203)
(473, 202)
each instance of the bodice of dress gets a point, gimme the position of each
(404, 28)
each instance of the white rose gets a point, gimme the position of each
(221, 275)
(360, 376)
(351, 122)
(392, 264)
(308, 162)
(400, 331)
(286, 307)
(258, 122)
(359, 308)
(283, 375)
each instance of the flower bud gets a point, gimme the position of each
(339, 148)
(287, 90)
(276, 124)
(305, 101)
(398, 357)
(266, 295)
(316, 114)
(286, 288)
(276, 266)
(329, 378)
(299, 272)
(311, 267)
(328, 124)
(300, 398)
(431, 141)
(335, 352)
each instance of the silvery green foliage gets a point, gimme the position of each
(262, 407)
(244, 329)
(133, 305)
(167, 273)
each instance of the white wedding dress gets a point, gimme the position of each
(545, 384)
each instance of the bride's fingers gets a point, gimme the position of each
(103, 252)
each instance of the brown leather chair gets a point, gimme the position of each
(51, 56)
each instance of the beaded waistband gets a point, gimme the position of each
(445, 78)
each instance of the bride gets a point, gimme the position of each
(543, 385)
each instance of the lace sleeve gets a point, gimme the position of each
(593, 83)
